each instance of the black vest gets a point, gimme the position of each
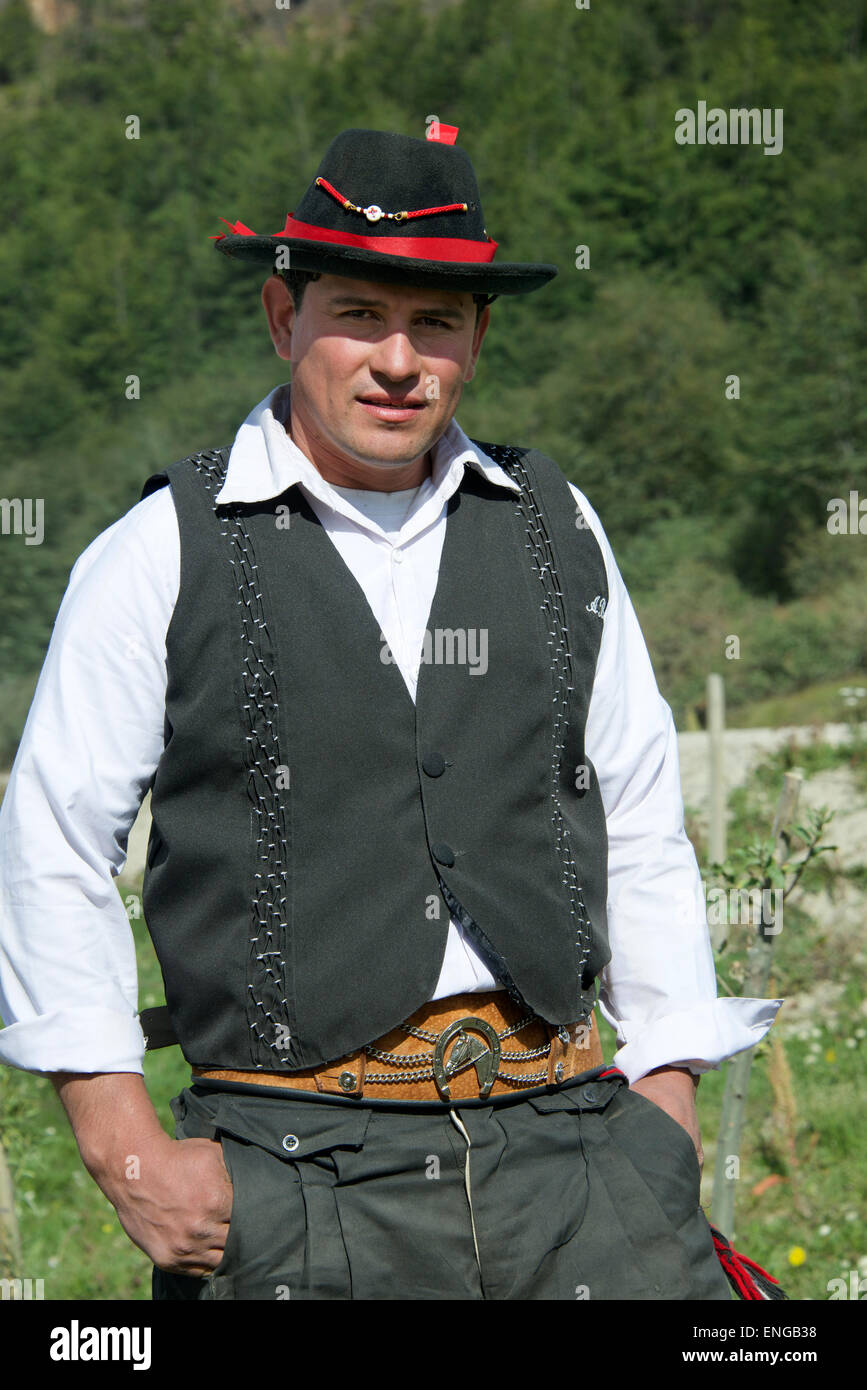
(313, 829)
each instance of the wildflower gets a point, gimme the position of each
(797, 1255)
(830, 1055)
(824, 1230)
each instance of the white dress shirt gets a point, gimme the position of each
(94, 736)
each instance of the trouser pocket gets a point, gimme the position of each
(661, 1153)
(639, 1231)
(285, 1239)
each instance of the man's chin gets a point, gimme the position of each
(393, 445)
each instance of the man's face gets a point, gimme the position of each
(377, 370)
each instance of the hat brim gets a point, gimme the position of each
(357, 262)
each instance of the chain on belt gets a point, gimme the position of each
(468, 1051)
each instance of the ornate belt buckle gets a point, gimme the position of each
(466, 1050)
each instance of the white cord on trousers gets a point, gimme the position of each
(459, 1126)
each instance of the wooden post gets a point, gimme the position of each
(10, 1243)
(717, 849)
(738, 1069)
(716, 718)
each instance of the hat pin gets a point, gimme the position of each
(374, 213)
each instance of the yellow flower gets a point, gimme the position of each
(106, 1229)
(797, 1255)
(830, 1055)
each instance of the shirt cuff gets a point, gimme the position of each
(698, 1039)
(75, 1040)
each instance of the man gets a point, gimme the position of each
(413, 790)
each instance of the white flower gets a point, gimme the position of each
(824, 1230)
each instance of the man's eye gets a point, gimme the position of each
(423, 319)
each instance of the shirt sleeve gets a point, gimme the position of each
(659, 989)
(91, 743)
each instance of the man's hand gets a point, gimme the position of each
(173, 1196)
(177, 1206)
(673, 1090)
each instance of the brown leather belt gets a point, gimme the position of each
(465, 1047)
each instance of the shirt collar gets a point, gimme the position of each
(264, 461)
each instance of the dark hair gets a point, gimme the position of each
(296, 281)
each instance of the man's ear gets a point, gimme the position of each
(280, 313)
(478, 335)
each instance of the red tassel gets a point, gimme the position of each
(737, 1269)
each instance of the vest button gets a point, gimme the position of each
(443, 854)
(291, 1142)
(434, 764)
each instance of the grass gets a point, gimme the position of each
(806, 1124)
(819, 757)
(830, 1138)
(820, 703)
(70, 1234)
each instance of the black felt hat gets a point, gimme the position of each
(395, 209)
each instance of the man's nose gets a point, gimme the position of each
(395, 356)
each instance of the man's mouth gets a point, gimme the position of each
(392, 408)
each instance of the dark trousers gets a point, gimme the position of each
(584, 1192)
